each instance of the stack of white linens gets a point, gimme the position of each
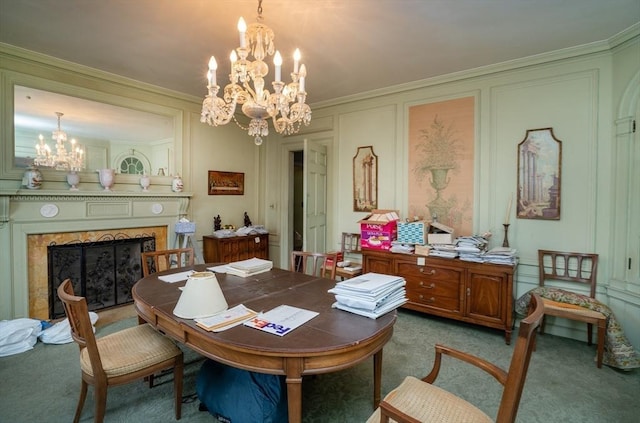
(370, 295)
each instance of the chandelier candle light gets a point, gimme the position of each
(61, 160)
(286, 105)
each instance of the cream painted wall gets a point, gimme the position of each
(576, 92)
(202, 148)
(571, 94)
(223, 148)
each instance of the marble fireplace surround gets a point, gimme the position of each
(37, 253)
(30, 220)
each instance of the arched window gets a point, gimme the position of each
(132, 166)
(132, 162)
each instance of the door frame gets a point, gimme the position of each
(287, 148)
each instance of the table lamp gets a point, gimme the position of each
(201, 297)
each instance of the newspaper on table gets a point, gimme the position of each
(176, 277)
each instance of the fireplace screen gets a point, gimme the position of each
(104, 271)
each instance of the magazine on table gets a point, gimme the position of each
(281, 320)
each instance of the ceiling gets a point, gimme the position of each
(348, 46)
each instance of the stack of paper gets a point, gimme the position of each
(226, 319)
(370, 295)
(501, 255)
(443, 250)
(471, 248)
(403, 248)
(248, 267)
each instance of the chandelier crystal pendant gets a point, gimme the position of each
(285, 105)
(72, 160)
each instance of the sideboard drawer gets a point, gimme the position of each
(429, 299)
(429, 272)
(429, 287)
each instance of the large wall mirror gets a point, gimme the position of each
(129, 135)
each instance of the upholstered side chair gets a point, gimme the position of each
(574, 271)
(418, 400)
(121, 357)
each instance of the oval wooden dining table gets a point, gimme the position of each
(332, 341)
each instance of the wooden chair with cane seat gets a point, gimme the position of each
(119, 358)
(314, 264)
(418, 400)
(156, 261)
(349, 246)
(579, 268)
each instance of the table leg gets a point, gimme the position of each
(377, 378)
(293, 369)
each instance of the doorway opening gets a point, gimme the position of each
(298, 200)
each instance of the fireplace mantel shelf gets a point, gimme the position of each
(27, 193)
(28, 215)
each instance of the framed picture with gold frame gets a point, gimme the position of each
(365, 180)
(226, 183)
(539, 175)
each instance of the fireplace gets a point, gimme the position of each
(42, 292)
(33, 220)
(103, 271)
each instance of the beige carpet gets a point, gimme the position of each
(563, 385)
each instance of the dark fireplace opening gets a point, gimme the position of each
(102, 271)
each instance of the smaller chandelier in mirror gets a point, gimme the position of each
(73, 159)
(285, 105)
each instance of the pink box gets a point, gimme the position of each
(378, 234)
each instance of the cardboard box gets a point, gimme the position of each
(413, 232)
(379, 229)
(440, 238)
(422, 250)
(440, 234)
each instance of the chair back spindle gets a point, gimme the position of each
(314, 264)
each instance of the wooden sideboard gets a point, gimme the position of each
(227, 250)
(479, 293)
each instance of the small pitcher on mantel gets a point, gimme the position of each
(176, 184)
(107, 178)
(32, 178)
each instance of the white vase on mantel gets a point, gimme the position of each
(73, 179)
(145, 182)
(107, 178)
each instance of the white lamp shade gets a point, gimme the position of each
(201, 297)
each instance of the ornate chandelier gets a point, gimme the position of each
(285, 106)
(61, 160)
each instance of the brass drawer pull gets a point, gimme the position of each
(429, 300)
(431, 272)
(430, 286)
